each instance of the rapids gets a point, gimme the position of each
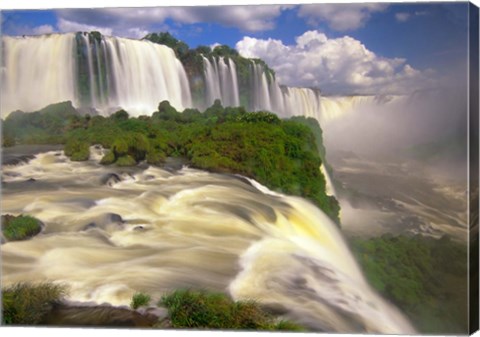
(112, 232)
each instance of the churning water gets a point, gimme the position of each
(111, 232)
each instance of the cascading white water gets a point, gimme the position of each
(142, 74)
(291, 101)
(91, 70)
(221, 81)
(37, 71)
(260, 90)
(110, 234)
(137, 75)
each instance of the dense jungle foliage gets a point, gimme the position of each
(425, 277)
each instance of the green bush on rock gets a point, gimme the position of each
(20, 227)
(77, 150)
(203, 310)
(126, 161)
(27, 304)
(108, 158)
(140, 300)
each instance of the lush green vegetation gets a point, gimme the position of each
(77, 150)
(140, 300)
(30, 304)
(426, 278)
(20, 227)
(46, 126)
(284, 155)
(192, 60)
(27, 304)
(202, 310)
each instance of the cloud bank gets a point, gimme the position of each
(335, 65)
(246, 18)
(340, 17)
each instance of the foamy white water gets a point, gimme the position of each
(120, 73)
(112, 232)
(37, 71)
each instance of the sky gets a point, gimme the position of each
(339, 48)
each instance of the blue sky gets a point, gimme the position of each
(389, 46)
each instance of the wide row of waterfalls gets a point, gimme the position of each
(108, 73)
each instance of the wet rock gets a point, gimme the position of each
(101, 315)
(18, 160)
(90, 226)
(115, 217)
(105, 221)
(110, 179)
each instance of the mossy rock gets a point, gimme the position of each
(155, 157)
(119, 147)
(22, 227)
(77, 150)
(108, 158)
(126, 161)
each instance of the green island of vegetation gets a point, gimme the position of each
(284, 155)
(20, 227)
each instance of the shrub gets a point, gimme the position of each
(108, 158)
(120, 115)
(126, 161)
(155, 157)
(77, 150)
(119, 147)
(140, 300)
(27, 304)
(21, 227)
(284, 325)
(199, 309)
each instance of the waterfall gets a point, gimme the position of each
(259, 89)
(155, 231)
(143, 74)
(98, 72)
(37, 71)
(221, 81)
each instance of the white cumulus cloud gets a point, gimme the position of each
(246, 18)
(338, 65)
(340, 17)
(43, 29)
(66, 26)
(402, 17)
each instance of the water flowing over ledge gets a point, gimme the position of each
(108, 73)
(110, 233)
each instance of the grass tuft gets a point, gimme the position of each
(26, 304)
(140, 300)
(202, 310)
